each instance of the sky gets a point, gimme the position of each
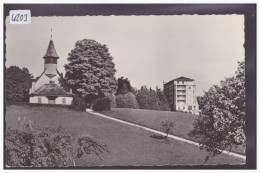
(148, 50)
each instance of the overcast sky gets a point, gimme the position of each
(146, 49)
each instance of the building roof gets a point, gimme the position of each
(51, 51)
(178, 79)
(183, 79)
(51, 90)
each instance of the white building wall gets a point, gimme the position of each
(50, 69)
(189, 103)
(35, 99)
(58, 100)
(46, 80)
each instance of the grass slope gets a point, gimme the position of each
(128, 145)
(152, 119)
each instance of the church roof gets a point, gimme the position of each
(51, 90)
(51, 51)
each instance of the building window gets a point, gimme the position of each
(182, 82)
(189, 87)
(39, 100)
(178, 107)
(190, 107)
(194, 107)
(183, 107)
(63, 100)
(52, 82)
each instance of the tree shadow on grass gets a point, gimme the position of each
(160, 138)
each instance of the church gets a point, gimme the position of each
(45, 89)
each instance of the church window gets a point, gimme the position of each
(39, 100)
(63, 100)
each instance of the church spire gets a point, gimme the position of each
(51, 33)
(51, 51)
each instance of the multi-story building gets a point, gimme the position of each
(181, 95)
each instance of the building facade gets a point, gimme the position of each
(45, 88)
(181, 95)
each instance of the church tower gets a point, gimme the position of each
(50, 61)
(46, 88)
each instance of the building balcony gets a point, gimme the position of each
(181, 93)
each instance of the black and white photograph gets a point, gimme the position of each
(129, 89)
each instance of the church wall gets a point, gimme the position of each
(60, 101)
(35, 99)
(46, 80)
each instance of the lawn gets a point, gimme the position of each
(127, 145)
(152, 119)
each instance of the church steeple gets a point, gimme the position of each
(51, 51)
(50, 60)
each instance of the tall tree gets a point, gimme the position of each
(147, 99)
(17, 84)
(123, 86)
(91, 71)
(222, 123)
(163, 102)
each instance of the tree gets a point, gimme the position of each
(143, 98)
(167, 126)
(151, 99)
(163, 102)
(126, 100)
(222, 123)
(17, 84)
(200, 101)
(123, 86)
(90, 71)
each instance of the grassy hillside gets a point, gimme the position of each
(152, 119)
(128, 145)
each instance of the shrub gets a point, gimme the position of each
(30, 146)
(127, 100)
(78, 103)
(112, 99)
(101, 104)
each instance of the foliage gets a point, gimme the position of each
(167, 126)
(123, 86)
(163, 102)
(88, 145)
(17, 84)
(151, 99)
(112, 99)
(222, 123)
(145, 99)
(78, 103)
(63, 84)
(90, 71)
(29, 146)
(101, 104)
(126, 100)
(200, 100)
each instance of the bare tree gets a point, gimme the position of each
(167, 126)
